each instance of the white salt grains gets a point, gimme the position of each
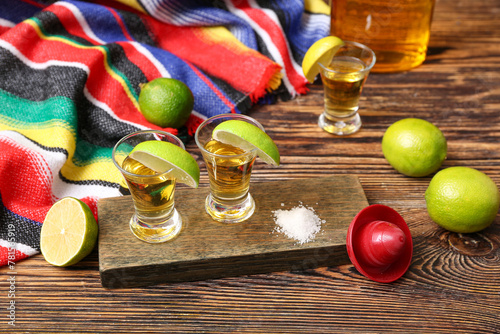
(300, 223)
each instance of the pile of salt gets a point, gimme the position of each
(299, 223)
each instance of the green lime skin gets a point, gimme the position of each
(462, 199)
(91, 233)
(162, 156)
(248, 136)
(166, 102)
(414, 147)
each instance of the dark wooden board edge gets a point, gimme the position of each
(296, 260)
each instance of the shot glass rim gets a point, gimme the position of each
(361, 46)
(254, 150)
(137, 133)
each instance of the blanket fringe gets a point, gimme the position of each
(271, 80)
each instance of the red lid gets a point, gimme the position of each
(379, 243)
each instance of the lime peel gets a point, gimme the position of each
(163, 156)
(248, 137)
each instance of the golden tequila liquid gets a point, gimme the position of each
(343, 86)
(229, 177)
(396, 30)
(153, 193)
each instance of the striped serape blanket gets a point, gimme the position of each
(69, 83)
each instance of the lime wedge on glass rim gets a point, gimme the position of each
(322, 51)
(69, 232)
(248, 137)
(162, 156)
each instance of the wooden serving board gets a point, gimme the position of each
(208, 249)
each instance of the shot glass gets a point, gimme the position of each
(343, 81)
(229, 170)
(155, 218)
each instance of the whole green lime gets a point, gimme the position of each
(414, 147)
(462, 199)
(166, 102)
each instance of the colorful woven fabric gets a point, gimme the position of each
(69, 83)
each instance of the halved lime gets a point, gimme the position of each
(248, 137)
(163, 156)
(322, 51)
(69, 232)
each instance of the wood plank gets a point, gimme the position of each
(208, 249)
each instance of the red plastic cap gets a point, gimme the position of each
(379, 243)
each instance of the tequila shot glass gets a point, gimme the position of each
(229, 171)
(155, 218)
(343, 81)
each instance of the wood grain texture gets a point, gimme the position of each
(207, 249)
(453, 283)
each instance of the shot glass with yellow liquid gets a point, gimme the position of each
(343, 79)
(151, 163)
(230, 143)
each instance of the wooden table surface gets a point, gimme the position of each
(453, 283)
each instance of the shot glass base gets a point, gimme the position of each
(230, 211)
(159, 232)
(341, 126)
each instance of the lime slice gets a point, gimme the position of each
(163, 156)
(322, 51)
(69, 232)
(248, 137)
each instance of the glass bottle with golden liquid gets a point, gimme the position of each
(396, 30)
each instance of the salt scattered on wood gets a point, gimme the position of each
(300, 223)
